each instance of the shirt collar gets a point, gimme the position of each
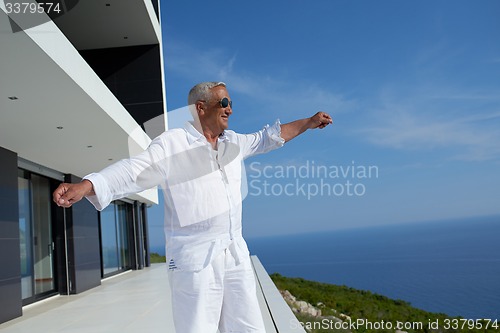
(194, 135)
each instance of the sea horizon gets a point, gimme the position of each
(450, 266)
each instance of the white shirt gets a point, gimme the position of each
(203, 189)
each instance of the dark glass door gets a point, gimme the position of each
(36, 237)
(116, 238)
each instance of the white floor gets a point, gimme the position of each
(136, 302)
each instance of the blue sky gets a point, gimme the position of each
(413, 88)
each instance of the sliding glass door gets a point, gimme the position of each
(115, 238)
(36, 236)
(109, 241)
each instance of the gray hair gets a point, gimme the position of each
(201, 91)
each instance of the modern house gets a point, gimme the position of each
(76, 87)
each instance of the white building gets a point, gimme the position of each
(75, 88)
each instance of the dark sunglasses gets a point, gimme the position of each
(225, 102)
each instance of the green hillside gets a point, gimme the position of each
(364, 311)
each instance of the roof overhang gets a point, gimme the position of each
(54, 110)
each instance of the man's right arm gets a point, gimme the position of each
(122, 178)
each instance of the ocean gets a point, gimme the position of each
(450, 267)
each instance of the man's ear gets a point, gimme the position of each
(200, 107)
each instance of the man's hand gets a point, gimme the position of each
(320, 120)
(297, 127)
(68, 194)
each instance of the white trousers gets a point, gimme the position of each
(221, 296)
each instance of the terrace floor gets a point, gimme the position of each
(135, 301)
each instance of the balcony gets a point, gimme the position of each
(136, 301)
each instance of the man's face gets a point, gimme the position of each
(215, 116)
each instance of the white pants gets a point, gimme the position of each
(221, 296)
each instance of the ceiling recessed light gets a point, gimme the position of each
(13, 98)
(59, 127)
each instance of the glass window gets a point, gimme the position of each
(42, 232)
(123, 248)
(35, 234)
(115, 238)
(25, 236)
(109, 242)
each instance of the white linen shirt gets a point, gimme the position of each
(203, 189)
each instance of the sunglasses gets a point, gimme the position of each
(225, 102)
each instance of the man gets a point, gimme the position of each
(199, 169)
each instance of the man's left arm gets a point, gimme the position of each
(297, 127)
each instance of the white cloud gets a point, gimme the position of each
(276, 94)
(469, 130)
(462, 122)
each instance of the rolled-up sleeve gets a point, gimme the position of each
(103, 195)
(263, 141)
(128, 176)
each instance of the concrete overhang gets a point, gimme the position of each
(96, 24)
(54, 109)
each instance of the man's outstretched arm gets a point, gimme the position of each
(297, 127)
(118, 180)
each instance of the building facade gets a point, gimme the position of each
(76, 87)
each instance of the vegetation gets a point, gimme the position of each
(373, 312)
(156, 258)
(369, 312)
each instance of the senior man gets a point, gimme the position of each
(199, 169)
